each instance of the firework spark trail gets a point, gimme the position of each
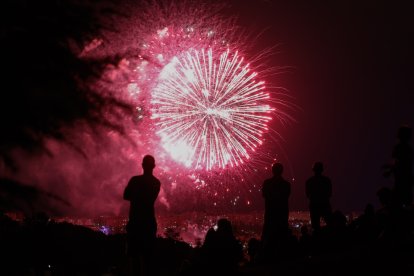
(211, 112)
(163, 29)
(201, 115)
(227, 116)
(207, 139)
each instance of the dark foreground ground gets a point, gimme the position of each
(43, 247)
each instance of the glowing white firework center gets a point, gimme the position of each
(210, 112)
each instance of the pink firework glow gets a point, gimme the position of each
(209, 110)
(197, 97)
(201, 108)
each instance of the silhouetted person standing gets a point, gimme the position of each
(319, 191)
(142, 191)
(402, 168)
(276, 192)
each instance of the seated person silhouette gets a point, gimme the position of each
(222, 250)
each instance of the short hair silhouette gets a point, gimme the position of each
(404, 133)
(318, 167)
(277, 168)
(148, 162)
(224, 225)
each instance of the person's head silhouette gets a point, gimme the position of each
(224, 229)
(277, 169)
(148, 164)
(224, 225)
(318, 168)
(404, 134)
(384, 195)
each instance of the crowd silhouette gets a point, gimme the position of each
(377, 242)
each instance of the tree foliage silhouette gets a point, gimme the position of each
(47, 84)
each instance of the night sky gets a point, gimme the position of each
(351, 75)
(348, 66)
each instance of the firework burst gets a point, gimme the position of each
(202, 107)
(209, 110)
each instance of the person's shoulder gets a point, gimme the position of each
(268, 181)
(400, 147)
(134, 179)
(156, 181)
(133, 182)
(310, 179)
(267, 184)
(326, 178)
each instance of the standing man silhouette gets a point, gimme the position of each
(402, 168)
(276, 192)
(142, 191)
(319, 191)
